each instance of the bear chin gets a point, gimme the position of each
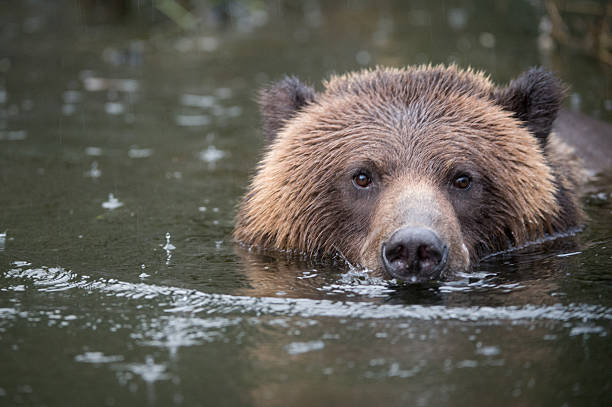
(415, 173)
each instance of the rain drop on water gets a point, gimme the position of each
(112, 203)
(168, 248)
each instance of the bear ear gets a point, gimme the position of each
(280, 101)
(534, 98)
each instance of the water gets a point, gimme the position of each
(125, 145)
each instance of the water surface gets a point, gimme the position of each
(125, 145)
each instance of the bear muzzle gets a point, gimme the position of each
(414, 255)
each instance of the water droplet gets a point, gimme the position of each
(168, 248)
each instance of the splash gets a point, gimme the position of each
(112, 203)
(168, 248)
(359, 282)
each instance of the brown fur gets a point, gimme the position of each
(413, 129)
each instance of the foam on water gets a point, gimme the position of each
(182, 300)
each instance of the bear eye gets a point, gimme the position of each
(362, 180)
(462, 182)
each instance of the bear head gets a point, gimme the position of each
(415, 173)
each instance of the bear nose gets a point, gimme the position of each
(414, 254)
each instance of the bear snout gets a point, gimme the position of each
(414, 254)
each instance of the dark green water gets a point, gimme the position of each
(97, 309)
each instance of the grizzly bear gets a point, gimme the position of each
(415, 173)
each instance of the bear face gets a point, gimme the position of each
(414, 173)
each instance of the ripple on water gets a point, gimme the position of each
(182, 300)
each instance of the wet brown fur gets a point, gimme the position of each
(416, 129)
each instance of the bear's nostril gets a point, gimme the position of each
(428, 256)
(397, 252)
(414, 254)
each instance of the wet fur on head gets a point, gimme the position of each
(408, 126)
